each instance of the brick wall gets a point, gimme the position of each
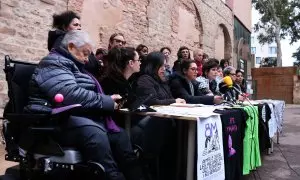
(24, 25)
(274, 83)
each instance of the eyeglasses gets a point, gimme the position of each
(194, 69)
(120, 41)
(232, 74)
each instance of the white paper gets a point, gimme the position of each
(210, 164)
(186, 111)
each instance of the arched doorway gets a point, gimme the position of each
(223, 46)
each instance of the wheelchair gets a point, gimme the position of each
(29, 137)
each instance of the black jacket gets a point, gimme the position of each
(159, 91)
(181, 89)
(114, 84)
(60, 73)
(54, 38)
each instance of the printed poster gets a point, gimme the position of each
(210, 164)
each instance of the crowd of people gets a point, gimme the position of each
(117, 77)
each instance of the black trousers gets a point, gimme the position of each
(112, 150)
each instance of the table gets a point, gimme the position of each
(191, 115)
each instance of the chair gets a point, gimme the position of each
(29, 137)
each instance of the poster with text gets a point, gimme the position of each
(210, 164)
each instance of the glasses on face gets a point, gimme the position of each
(120, 41)
(232, 74)
(194, 69)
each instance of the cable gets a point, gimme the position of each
(287, 162)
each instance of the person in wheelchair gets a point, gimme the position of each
(92, 132)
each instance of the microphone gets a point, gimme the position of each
(228, 82)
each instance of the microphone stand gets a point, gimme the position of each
(242, 95)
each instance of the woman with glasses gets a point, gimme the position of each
(123, 63)
(184, 85)
(231, 72)
(62, 23)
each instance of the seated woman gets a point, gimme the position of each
(184, 85)
(153, 82)
(240, 81)
(207, 82)
(96, 136)
(157, 136)
(235, 93)
(123, 63)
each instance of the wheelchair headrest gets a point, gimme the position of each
(18, 75)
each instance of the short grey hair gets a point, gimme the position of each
(227, 70)
(77, 37)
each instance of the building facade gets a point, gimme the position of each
(24, 26)
(242, 35)
(260, 52)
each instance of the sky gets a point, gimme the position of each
(286, 48)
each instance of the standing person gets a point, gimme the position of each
(167, 53)
(198, 57)
(182, 54)
(116, 40)
(62, 23)
(224, 63)
(142, 50)
(205, 57)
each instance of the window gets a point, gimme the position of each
(253, 50)
(258, 60)
(252, 40)
(272, 50)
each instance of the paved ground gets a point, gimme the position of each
(283, 163)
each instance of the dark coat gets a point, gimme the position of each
(114, 84)
(60, 73)
(149, 86)
(181, 89)
(54, 38)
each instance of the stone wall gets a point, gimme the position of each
(24, 25)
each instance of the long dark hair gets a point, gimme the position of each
(185, 65)
(118, 59)
(63, 20)
(152, 63)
